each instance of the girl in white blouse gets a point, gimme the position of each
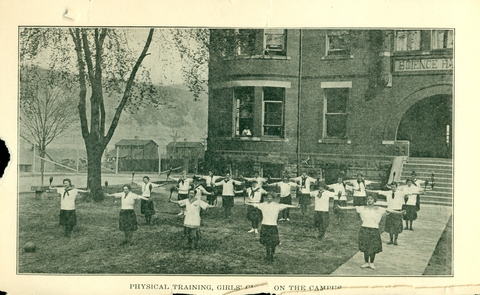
(127, 219)
(369, 241)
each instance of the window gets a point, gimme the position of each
(335, 112)
(273, 111)
(337, 44)
(274, 42)
(244, 99)
(407, 40)
(251, 119)
(442, 39)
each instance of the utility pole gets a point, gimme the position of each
(78, 155)
(116, 159)
(33, 164)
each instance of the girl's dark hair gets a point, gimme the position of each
(128, 186)
(67, 179)
(373, 197)
(148, 178)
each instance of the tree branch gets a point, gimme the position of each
(82, 109)
(127, 92)
(88, 55)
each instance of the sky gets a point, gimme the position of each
(164, 65)
(163, 62)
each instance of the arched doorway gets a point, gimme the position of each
(428, 127)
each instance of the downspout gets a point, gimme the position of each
(298, 99)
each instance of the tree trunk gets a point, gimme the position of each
(42, 165)
(94, 173)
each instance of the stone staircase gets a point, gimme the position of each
(442, 193)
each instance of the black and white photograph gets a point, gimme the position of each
(279, 132)
(184, 159)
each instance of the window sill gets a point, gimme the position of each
(442, 52)
(337, 57)
(255, 138)
(335, 140)
(276, 57)
(408, 53)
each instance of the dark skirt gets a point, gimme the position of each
(127, 220)
(227, 201)
(411, 212)
(68, 218)
(211, 198)
(254, 214)
(269, 235)
(369, 240)
(146, 207)
(321, 220)
(304, 199)
(182, 197)
(192, 233)
(286, 200)
(393, 224)
(359, 201)
(341, 203)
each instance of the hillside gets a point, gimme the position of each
(180, 112)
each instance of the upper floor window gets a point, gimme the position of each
(407, 40)
(442, 39)
(244, 99)
(273, 111)
(335, 112)
(337, 43)
(274, 42)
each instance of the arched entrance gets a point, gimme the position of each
(428, 126)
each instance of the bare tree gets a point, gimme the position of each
(108, 67)
(45, 109)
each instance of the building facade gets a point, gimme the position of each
(135, 155)
(329, 100)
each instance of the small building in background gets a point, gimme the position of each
(135, 155)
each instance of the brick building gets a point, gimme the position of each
(329, 100)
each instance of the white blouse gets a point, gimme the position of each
(127, 201)
(192, 212)
(227, 187)
(371, 216)
(255, 195)
(270, 212)
(359, 189)
(67, 200)
(322, 202)
(338, 188)
(304, 183)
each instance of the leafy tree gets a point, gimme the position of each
(107, 66)
(45, 111)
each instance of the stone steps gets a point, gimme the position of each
(442, 193)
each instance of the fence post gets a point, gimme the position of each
(116, 160)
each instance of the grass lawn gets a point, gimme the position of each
(441, 261)
(225, 247)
